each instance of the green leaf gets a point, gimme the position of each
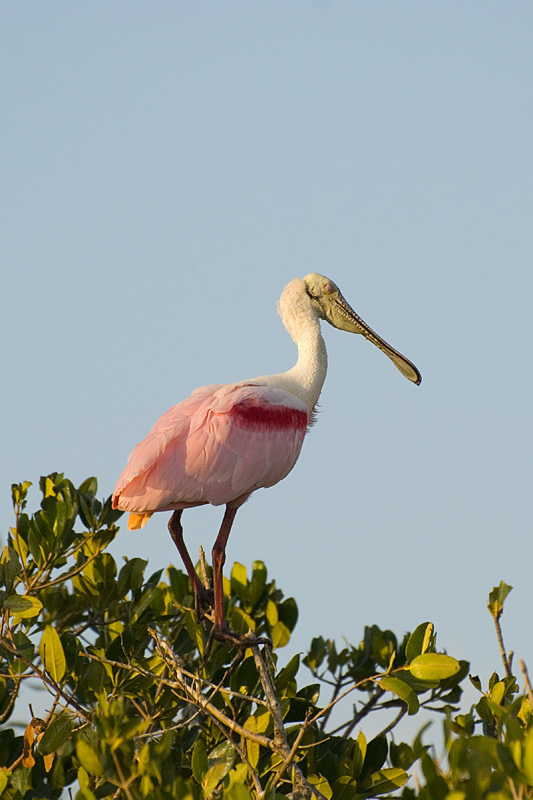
(89, 486)
(130, 577)
(321, 784)
(280, 635)
(199, 763)
(88, 757)
(497, 693)
(52, 654)
(419, 640)
(23, 606)
(237, 792)
(528, 757)
(239, 581)
(272, 613)
(10, 567)
(34, 543)
(19, 492)
(497, 599)
(252, 748)
(24, 647)
(21, 782)
(287, 674)
(376, 754)
(220, 761)
(385, 780)
(57, 733)
(403, 691)
(359, 754)
(401, 755)
(256, 586)
(345, 788)
(288, 613)
(241, 622)
(434, 666)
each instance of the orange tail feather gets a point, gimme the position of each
(137, 521)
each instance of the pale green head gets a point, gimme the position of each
(330, 305)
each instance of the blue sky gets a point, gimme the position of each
(168, 167)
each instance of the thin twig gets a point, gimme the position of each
(505, 659)
(17, 680)
(395, 721)
(294, 748)
(124, 783)
(527, 683)
(195, 697)
(173, 684)
(359, 715)
(48, 681)
(64, 577)
(203, 567)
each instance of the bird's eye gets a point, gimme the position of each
(328, 288)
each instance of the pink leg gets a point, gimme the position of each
(202, 597)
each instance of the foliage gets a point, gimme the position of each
(143, 705)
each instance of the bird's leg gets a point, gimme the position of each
(219, 558)
(220, 630)
(202, 596)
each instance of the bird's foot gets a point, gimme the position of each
(241, 641)
(204, 600)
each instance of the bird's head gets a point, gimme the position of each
(329, 304)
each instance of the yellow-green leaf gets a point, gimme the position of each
(321, 784)
(497, 599)
(272, 613)
(280, 635)
(199, 762)
(419, 640)
(22, 606)
(52, 654)
(252, 748)
(498, 691)
(527, 761)
(359, 754)
(88, 757)
(403, 691)
(241, 622)
(434, 667)
(220, 762)
(385, 780)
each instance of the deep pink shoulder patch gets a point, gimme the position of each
(255, 414)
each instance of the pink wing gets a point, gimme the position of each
(219, 445)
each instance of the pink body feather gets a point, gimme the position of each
(217, 446)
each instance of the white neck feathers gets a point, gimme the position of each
(298, 315)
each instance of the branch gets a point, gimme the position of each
(303, 788)
(46, 679)
(192, 692)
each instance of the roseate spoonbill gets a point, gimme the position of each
(226, 441)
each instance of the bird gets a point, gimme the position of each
(226, 441)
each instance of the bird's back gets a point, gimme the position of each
(217, 446)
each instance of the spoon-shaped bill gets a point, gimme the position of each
(341, 315)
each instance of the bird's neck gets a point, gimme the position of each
(309, 372)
